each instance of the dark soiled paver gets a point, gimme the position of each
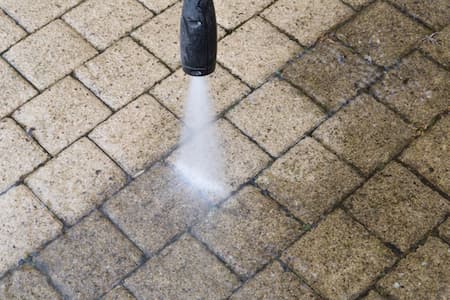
(423, 274)
(183, 270)
(437, 46)
(373, 295)
(119, 293)
(339, 258)
(435, 13)
(444, 230)
(357, 4)
(397, 206)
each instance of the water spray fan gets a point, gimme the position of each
(198, 37)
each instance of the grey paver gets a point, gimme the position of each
(10, 32)
(119, 293)
(231, 13)
(435, 13)
(437, 45)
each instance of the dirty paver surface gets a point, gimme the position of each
(334, 123)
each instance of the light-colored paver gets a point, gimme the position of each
(397, 206)
(423, 274)
(138, 135)
(121, 73)
(309, 180)
(14, 89)
(102, 22)
(231, 13)
(255, 50)
(158, 5)
(435, 13)
(19, 154)
(119, 293)
(25, 224)
(10, 32)
(49, 54)
(382, 33)
(276, 116)
(307, 20)
(85, 262)
(437, 45)
(61, 114)
(365, 133)
(84, 169)
(357, 4)
(184, 270)
(339, 258)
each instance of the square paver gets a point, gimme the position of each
(397, 206)
(309, 180)
(418, 89)
(184, 270)
(256, 50)
(243, 158)
(276, 115)
(19, 154)
(382, 33)
(429, 154)
(25, 225)
(247, 231)
(119, 293)
(365, 133)
(438, 46)
(27, 283)
(357, 4)
(33, 14)
(76, 181)
(15, 90)
(10, 32)
(423, 274)
(161, 201)
(138, 135)
(231, 13)
(331, 73)
(444, 230)
(435, 13)
(307, 20)
(274, 283)
(102, 22)
(61, 114)
(121, 73)
(49, 54)
(87, 260)
(339, 258)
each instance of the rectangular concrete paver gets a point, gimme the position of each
(49, 54)
(357, 4)
(25, 224)
(10, 32)
(231, 13)
(91, 257)
(61, 114)
(444, 230)
(373, 296)
(437, 46)
(119, 293)
(435, 13)
(157, 5)
(86, 170)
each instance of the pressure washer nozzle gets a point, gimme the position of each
(198, 37)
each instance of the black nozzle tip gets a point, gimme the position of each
(199, 72)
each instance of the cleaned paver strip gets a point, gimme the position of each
(10, 32)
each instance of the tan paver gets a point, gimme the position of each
(10, 32)
(49, 54)
(382, 33)
(331, 73)
(184, 270)
(157, 5)
(438, 46)
(373, 296)
(121, 73)
(365, 133)
(418, 89)
(339, 258)
(89, 258)
(138, 135)
(397, 206)
(14, 89)
(119, 293)
(33, 14)
(224, 89)
(357, 4)
(243, 158)
(26, 283)
(274, 283)
(102, 22)
(429, 154)
(307, 20)
(444, 230)
(435, 13)
(247, 231)
(231, 13)
(276, 116)
(25, 224)
(61, 114)
(256, 50)
(309, 180)
(161, 201)
(85, 171)
(423, 274)
(19, 154)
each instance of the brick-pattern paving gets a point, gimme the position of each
(334, 123)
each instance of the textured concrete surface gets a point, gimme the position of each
(333, 122)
